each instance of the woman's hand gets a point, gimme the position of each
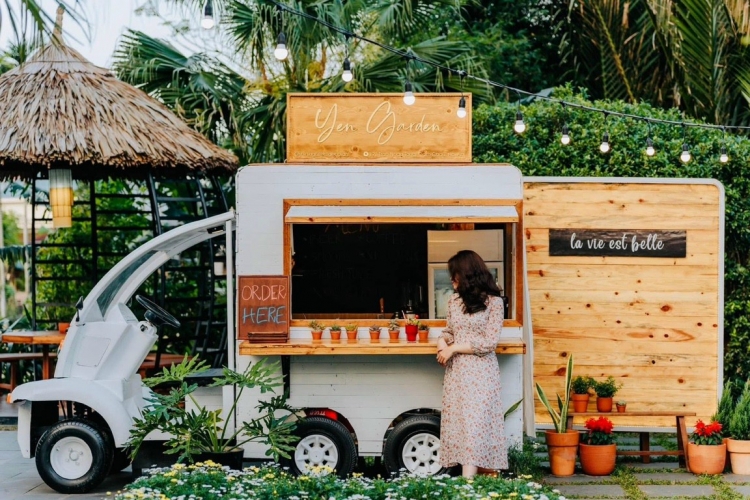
(445, 354)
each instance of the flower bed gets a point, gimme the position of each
(209, 481)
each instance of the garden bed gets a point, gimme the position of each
(210, 481)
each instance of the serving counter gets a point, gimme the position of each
(306, 347)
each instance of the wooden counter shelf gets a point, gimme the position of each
(306, 347)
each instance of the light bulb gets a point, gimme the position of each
(604, 146)
(409, 98)
(281, 52)
(565, 138)
(685, 155)
(461, 112)
(347, 75)
(724, 157)
(208, 16)
(650, 151)
(519, 126)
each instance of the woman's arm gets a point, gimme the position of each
(484, 346)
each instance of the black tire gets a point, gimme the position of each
(120, 460)
(83, 438)
(419, 434)
(328, 432)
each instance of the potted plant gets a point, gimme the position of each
(375, 332)
(394, 329)
(412, 327)
(351, 331)
(580, 396)
(706, 449)
(605, 391)
(598, 450)
(335, 331)
(738, 445)
(423, 331)
(562, 443)
(316, 329)
(621, 406)
(197, 434)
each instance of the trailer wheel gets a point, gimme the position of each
(73, 456)
(323, 442)
(414, 445)
(120, 460)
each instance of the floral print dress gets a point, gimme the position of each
(472, 425)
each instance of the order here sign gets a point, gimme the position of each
(263, 311)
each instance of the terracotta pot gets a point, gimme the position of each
(351, 335)
(336, 334)
(375, 335)
(423, 335)
(603, 404)
(317, 334)
(706, 458)
(562, 448)
(739, 455)
(580, 402)
(621, 408)
(63, 327)
(411, 333)
(393, 335)
(597, 460)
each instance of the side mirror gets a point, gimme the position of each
(79, 306)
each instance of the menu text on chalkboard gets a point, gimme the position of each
(617, 243)
(263, 308)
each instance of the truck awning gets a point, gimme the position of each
(349, 214)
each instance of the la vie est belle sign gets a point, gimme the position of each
(370, 128)
(617, 243)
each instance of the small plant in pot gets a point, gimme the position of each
(335, 331)
(412, 327)
(197, 434)
(738, 445)
(351, 331)
(706, 450)
(562, 443)
(621, 406)
(605, 391)
(423, 332)
(580, 396)
(598, 450)
(375, 332)
(316, 329)
(394, 329)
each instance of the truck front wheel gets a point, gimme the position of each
(323, 442)
(73, 456)
(414, 445)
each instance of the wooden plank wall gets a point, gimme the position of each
(652, 323)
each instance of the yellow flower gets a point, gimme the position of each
(230, 479)
(304, 478)
(269, 476)
(493, 494)
(178, 466)
(174, 480)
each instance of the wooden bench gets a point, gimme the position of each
(13, 358)
(645, 452)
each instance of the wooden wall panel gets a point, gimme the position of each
(652, 323)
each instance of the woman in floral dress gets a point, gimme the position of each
(471, 425)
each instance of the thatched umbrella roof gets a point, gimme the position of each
(60, 110)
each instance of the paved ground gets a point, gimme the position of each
(19, 481)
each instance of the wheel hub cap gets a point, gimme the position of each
(314, 451)
(421, 454)
(71, 458)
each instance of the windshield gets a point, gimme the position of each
(110, 292)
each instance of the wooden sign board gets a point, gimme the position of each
(617, 243)
(263, 308)
(377, 128)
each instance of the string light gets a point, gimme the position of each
(347, 74)
(491, 83)
(604, 146)
(461, 111)
(685, 155)
(281, 52)
(208, 16)
(565, 137)
(650, 151)
(723, 158)
(519, 126)
(409, 98)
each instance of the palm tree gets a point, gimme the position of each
(29, 21)
(691, 54)
(316, 54)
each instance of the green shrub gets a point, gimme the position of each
(727, 403)
(607, 388)
(739, 423)
(581, 385)
(523, 461)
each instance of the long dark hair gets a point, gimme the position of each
(475, 282)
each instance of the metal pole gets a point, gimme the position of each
(3, 305)
(231, 355)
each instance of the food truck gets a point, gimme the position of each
(356, 229)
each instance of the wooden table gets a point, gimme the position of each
(41, 338)
(308, 347)
(645, 451)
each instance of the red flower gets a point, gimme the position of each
(707, 434)
(600, 431)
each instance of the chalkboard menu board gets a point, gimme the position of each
(263, 308)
